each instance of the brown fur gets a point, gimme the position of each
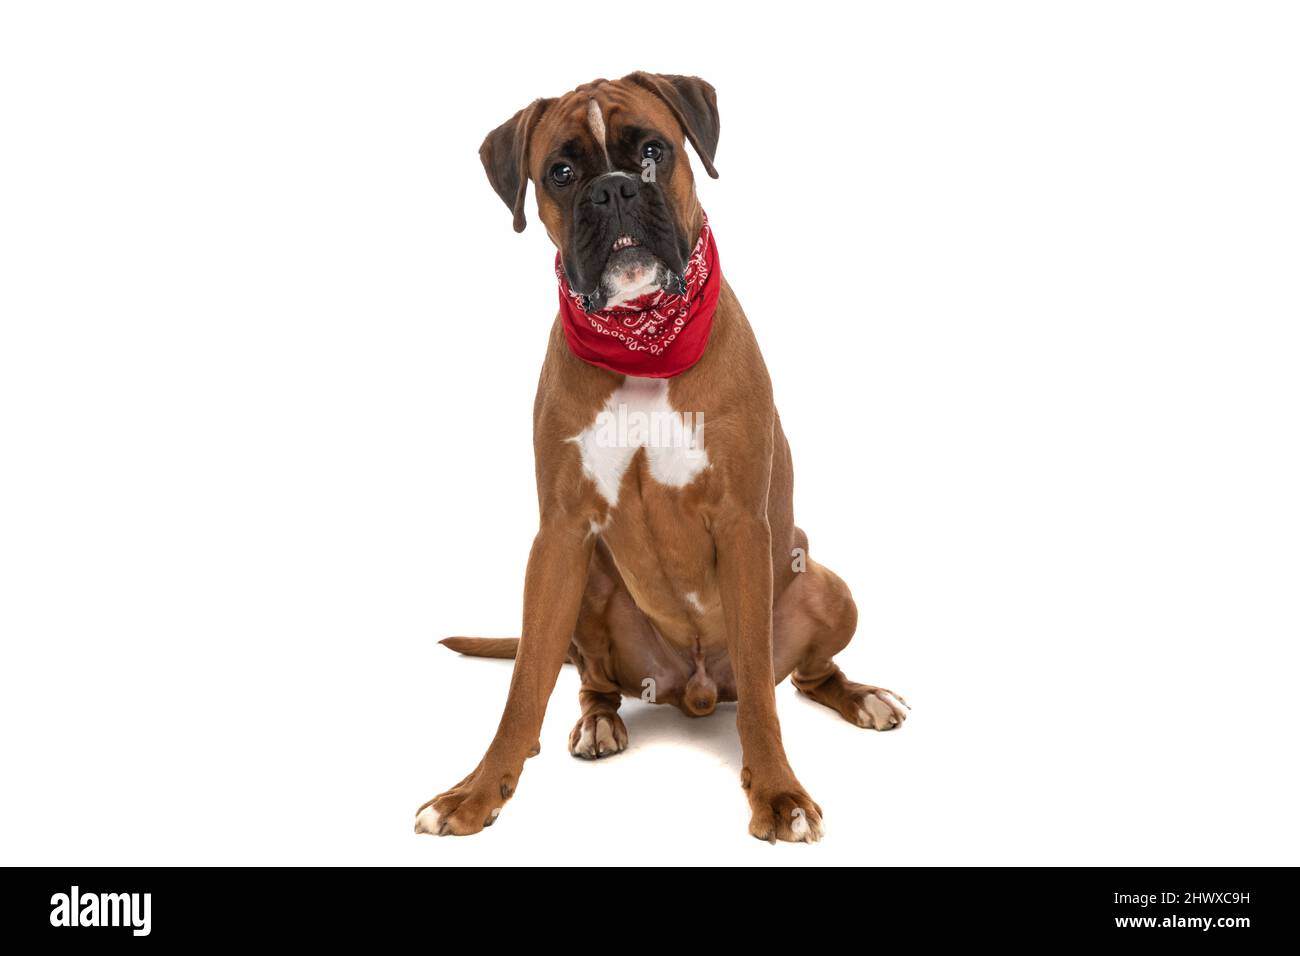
(614, 603)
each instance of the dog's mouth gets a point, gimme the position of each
(631, 272)
(627, 267)
(620, 253)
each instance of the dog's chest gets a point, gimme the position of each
(637, 417)
(647, 460)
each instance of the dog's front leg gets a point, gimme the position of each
(557, 574)
(781, 809)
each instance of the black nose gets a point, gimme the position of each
(614, 189)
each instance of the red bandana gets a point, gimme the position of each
(657, 335)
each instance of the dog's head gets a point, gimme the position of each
(614, 187)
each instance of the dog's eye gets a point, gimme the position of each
(652, 151)
(561, 174)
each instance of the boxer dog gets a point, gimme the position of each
(667, 564)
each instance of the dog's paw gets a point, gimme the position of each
(430, 821)
(877, 709)
(598, 734)
(786, 813)
(466, 808)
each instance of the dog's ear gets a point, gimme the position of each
(695, 104)
(505, 157)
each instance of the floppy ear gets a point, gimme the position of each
(695, 104)
(505, 157)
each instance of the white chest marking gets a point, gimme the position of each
(638, 415)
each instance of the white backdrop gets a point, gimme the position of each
(1025, 276)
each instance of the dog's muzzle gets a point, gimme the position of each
(625, 242)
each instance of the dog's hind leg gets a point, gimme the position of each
(600, 731)
(813, 621)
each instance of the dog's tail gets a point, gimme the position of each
(499, 647)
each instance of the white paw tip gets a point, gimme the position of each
(586, 745)
(803, 829)
(891, 697)
(598, 739)
(605, 742)
(881, 712)
(427, 821)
